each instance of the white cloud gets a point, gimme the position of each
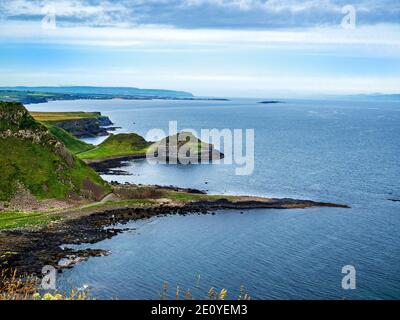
(104, 12)
(373, 41)
(203, 13)
(270, 5)
(221, 84)
(161, 37)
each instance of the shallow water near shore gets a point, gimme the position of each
(335, 151)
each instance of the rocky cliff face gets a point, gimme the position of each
(14, 116)
(33, 160)
(89, 127)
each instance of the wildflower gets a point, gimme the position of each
(211, 293)
(48, 296)
(223, 294)
(36, 296)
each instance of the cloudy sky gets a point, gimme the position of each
(209, 47)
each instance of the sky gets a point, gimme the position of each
(230, 48)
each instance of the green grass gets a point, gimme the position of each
(186, 197)
(43, 172)
(118, 145)
(186, 139)
(41, 94)
(19, 96)
(14, 220)
(45, 169)
(122, 203)
(14, 116)
(130, 144)
(63, 116)
(73, 144)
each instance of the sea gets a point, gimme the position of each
(341, 151)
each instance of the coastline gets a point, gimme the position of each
(28, 248)
(37, 95)
(96, 222)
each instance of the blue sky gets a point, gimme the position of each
(209, 47)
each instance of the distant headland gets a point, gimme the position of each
(31, 95)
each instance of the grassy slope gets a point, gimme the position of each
(62, 116)
(13, 220)
(131, 144)
(46, 172)
(42, 171)
(188, 197)
(73, 144)
(118, 145)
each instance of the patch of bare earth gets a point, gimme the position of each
(23, 200)
(94, 191)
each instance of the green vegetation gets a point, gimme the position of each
(131, 144)
(78, 124)
(186, 139)
(187, 197)
(122, 203)
(118, 145)
(43, 172)
(213, 294)
(15, 286)
(150, 193)
(13, 116)
(27, 96)
(45, 161)
(110, 92)
(37, 161)
(73, 144)
(14, 220)
(63, 116)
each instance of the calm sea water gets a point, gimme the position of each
(336, 151)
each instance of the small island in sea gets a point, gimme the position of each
(271, 102)
(49, 191)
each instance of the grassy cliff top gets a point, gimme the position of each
(64, 116)
(124, 144)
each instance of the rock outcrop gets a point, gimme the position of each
(87, 127)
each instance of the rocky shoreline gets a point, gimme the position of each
(78, 218)
(110, 165)
(31, 249)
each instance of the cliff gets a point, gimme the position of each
(35, 163)
(79, 124)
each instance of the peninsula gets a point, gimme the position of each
(79, 124)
